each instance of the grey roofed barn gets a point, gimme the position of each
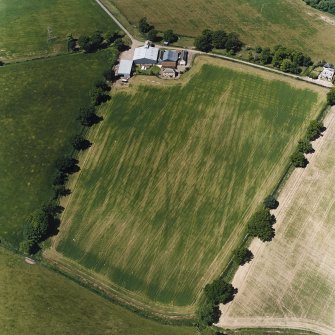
(125, 67)
(145, 55)
(170, 56)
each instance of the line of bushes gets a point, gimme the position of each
(44, 222)
(323, 5)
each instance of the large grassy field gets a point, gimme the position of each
(39, 27)
(258, 22)
(291, 280)
(38, 301)
(174, 174)
(39, 105)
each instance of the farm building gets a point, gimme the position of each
(168, 58)
(168, 73)
(183, 58)
(146, 55)
(327, 72)
(125, 68)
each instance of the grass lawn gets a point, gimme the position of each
(35, 300)
(291, 280)
(258, 22)
(39, 105)
(174, 174)
(25, 26)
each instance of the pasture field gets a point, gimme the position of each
(290, 282)
(39, 102)
(39, 27)
(35, 300)
(173, 176)
(258, 22)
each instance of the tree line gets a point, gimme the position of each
(323, 5)
(44, 222)
(218, 39)
(97, 41)
(152, 34)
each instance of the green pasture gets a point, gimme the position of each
(39, 27)
(39, 104)
(175, 173)
(35, 300)
(258, 22)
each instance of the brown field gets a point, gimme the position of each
(290, 283)
(258, 22)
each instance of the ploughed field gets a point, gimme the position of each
(258, 22)
(291, 281)
(40, 27)
(40, 102)
(174, 174)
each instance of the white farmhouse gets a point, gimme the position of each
(327, 72)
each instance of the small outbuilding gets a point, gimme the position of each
(168, 58)
(183, 58)
(125, 68)
(146, 55)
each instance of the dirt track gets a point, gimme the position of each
(289, 284)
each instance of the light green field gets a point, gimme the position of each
(39, 102)
(24, 25)
(291, 280)
(174, 174)
(38, 301)
(258, 22)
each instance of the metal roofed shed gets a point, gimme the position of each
(170, 56)
(125, 68)
(146, 55)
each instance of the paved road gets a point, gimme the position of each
(136, 43)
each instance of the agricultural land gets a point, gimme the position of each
(35, 300)
(40, 102)
(173, 177)
(38, 28)
(290, 282)
(267, 23)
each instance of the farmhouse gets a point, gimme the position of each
(168, 73)
(327, 72)
(168, 58)
(146, 55)
(125, 68)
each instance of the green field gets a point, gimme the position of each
(258, 22)
(39, 105)
(24, 25)
(38, 301)
(174, 174)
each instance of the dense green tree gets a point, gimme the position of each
(331, 97)
(208, 313)
(66, 164)
(219, 291)
(305, 146)
(152, 35)
(98, 96)
(233, 43)
(265, 56)
(298, 159)
(61, 191)
(204, 42)
(260, 225)
(1, 63)
(85, 43)
(36, 226)
(87, 116)
(270, 202)
(60, 178)
(71, 43)
(80, 143)
(27, 247)
(143, 26)
(109, 74)
(219, 39)
(96, 41)
(120, 45)
(102, 84)
(314, 130)
(169, 36)
(242, 255)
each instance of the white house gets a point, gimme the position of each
(146, 55)
(327, 72)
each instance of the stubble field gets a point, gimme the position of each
(173, 176)
(290, 283)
